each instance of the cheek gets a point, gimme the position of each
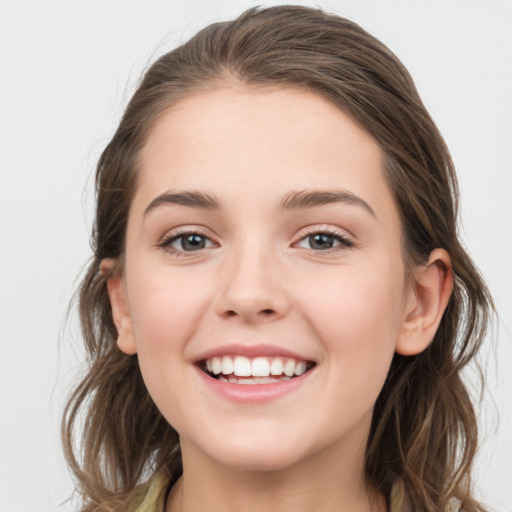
(357, 313)
(165, 309)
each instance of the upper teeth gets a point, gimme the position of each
(243, 366)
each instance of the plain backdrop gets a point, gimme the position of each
(67, 69)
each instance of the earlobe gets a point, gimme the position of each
(121, 315)
(427, 301)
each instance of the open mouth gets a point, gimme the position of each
(254, 370)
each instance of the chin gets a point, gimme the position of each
(261, 455)
(258, 462)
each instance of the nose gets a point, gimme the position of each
(252, 288)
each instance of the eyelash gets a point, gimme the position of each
(165, 244)
(345, 243)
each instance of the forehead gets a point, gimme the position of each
(259, 144)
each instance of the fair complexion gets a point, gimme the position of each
(263, 228)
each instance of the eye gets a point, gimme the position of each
(324, 241)
(186, 242)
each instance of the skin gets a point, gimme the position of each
(258, 280)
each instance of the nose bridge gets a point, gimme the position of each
(251, 285)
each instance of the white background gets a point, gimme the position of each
(67, 68)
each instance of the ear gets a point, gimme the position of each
(425, 304)
(120, 310)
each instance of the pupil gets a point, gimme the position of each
(321, 241)
(192, 242)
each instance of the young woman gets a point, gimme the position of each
(278, 309)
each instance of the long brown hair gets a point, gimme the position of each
(424, 434)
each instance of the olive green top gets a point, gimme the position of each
(151, 496)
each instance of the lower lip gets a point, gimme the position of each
(253, 393)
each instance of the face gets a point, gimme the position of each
(263, 243)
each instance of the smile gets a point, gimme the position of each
(254, 370)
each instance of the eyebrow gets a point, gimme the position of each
(304, 199)
(192, 198)
(294, 200)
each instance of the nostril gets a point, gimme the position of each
(251, 315)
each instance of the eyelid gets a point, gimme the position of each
(175, 234)
(347, 241)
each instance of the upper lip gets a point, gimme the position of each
(238, 349)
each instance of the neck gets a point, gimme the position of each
(328, 481)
